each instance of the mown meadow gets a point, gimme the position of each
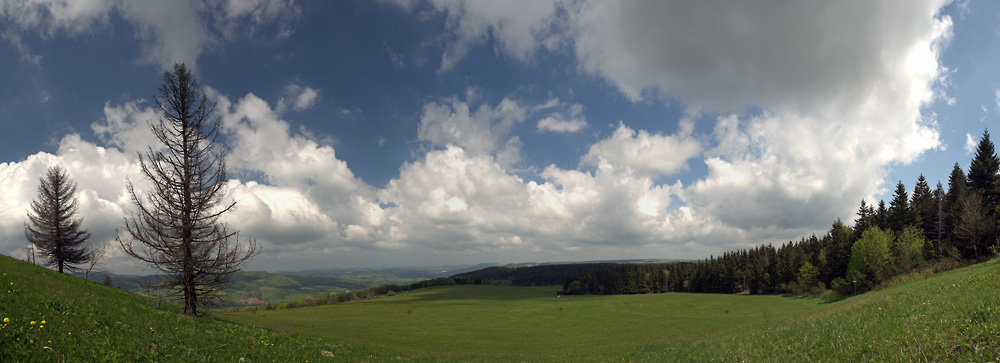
(505, 323)
(951, 316)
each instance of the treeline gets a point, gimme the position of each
(540, 275)
(928, 229)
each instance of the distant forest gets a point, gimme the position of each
(926, 230)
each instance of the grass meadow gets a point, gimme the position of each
(502, 323)
(951, 316)
(49, 317)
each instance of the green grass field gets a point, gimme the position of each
(49, 317)
(530, 323)
(952, 316)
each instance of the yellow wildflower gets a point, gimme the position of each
(32, 323)
(6, 320)
(43, 321)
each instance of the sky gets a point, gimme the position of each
(447, 132)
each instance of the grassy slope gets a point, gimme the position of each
(90, 322)
(513, 323)
(954, 315)
(950, 316)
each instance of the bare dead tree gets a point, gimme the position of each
(94, 257)
(176, 226)
(51, 226)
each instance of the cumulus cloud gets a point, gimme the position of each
(813, 111)
(170, 31)
(480, 130)
(517, 27)
(970, 143)
(646, 154)
(570, 119)
(300, 98)
(557, 125)
(100, 176)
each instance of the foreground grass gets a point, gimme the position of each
(46, 316)
(493, 323)
(953, 315)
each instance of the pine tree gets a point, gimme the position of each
(176, 227)
(957, 189)
(940, 222)
(922, 204)
(975, 227)
(900, 213)
(983, 173)
(866, 217)
(51, 226)
(881, 215)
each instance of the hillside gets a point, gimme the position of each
(47, 316)
(954, 315)
(276, 287)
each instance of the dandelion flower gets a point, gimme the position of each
(6, 320)
(32, 323)
(43, 321)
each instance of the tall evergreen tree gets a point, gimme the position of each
(975, 228)
(177, 227)
(866, 217)
(983, 173)
(957, 189)
(882, 215)
(51, 226)
(900, 213)
(922, 203)
(940, 222)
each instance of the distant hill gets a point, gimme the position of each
(275, 287)
(539, 274)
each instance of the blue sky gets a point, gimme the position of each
(450, 132)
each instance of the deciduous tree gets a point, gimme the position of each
(176, 227)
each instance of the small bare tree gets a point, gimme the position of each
(51, 226)
(94, 257)
(176, 227)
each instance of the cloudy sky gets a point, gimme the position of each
(366, 133)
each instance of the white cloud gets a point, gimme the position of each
(484, 130)
(127, 127)
(970, 143)
(996, 100)
(571, 119)
(170, 31)
(833, 105)
(100, 176)
(517, 27)
(301, 98)
(556, 125)
(18, 43)
(646, 154)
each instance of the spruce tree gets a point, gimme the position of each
(922, 204)
(881, 215)
(866, 217)
(900, 213)
(51, 226)
(983, 173)
(940, 222)
(957, 189)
